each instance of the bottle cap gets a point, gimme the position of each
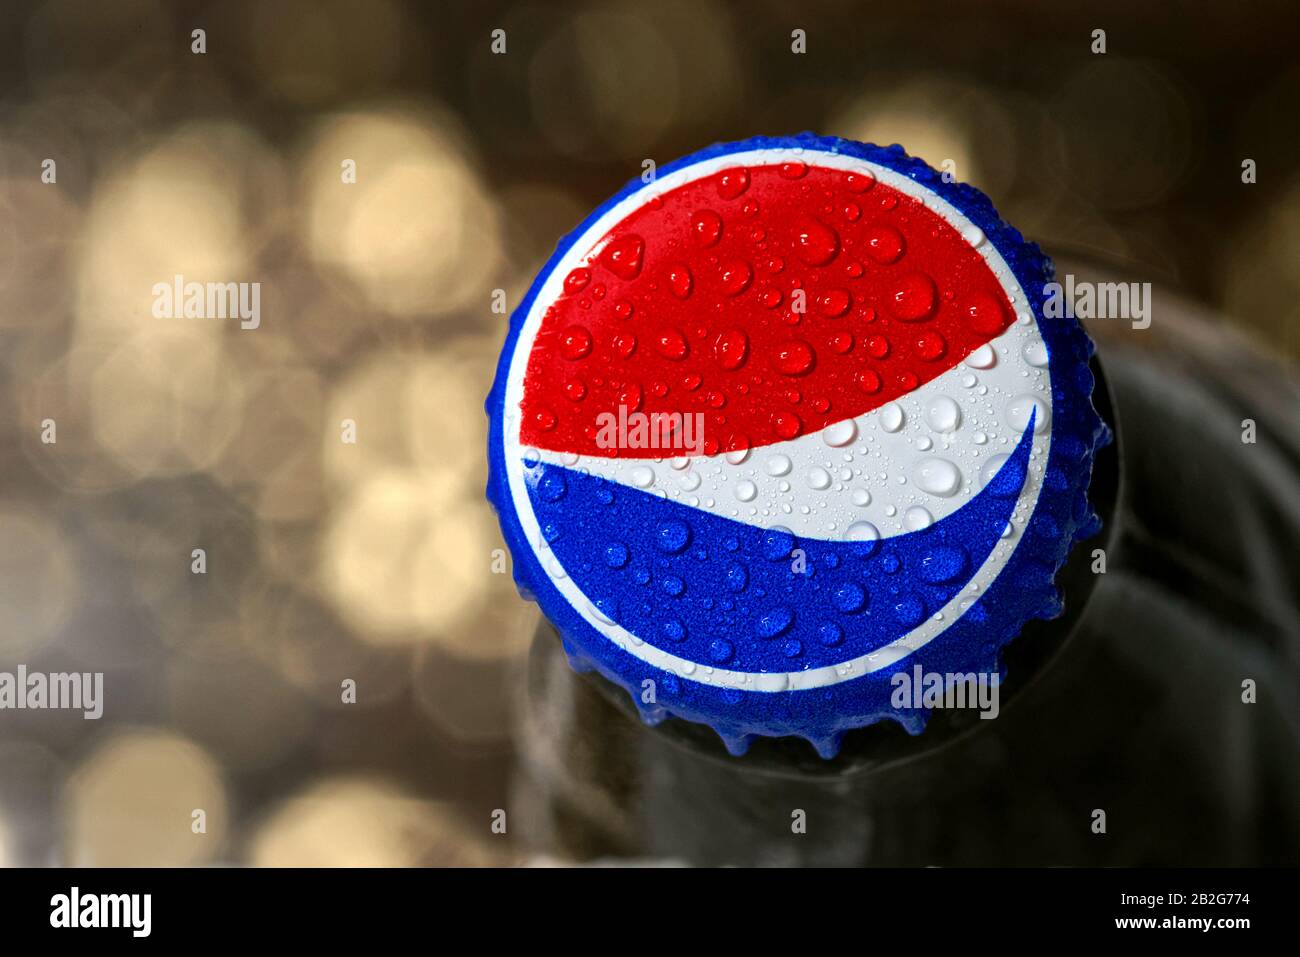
(785, 435)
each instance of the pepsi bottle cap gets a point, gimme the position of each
(784, 423)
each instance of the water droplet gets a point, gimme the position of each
(917, 518)
(868, 381)
(885, 244)
(577, 280)
(862, 532)
(631, 396)
(973, 235)
(793, 170)
(778, 542)
(736, 276)
(1021, 407)
(778, 464)
(850, 597)
(617, 555)
(731, 348)
(841, 433)
(891, 417)
(680, 280)
(931, 346)
(672, 345)
(706, 228)
(860, 182)
(910, 611)
(623, 256)
(732, 182)
(937, 476)
(861, 497)
(794, 358)
(990, 469)
(544, 419)
(835, 302)
(986, 314)
(721, 650)
(575, 343)
(746, 490)
(914, 298)
(673, 537)
(774, 622)
(982, 358)
(624, 345)
(819, 479)
(643, 476)
(943, 414)
(815, 242)
(552, 487)
(943, 564)
(786, 425)
(1035, 353)
(739, 450)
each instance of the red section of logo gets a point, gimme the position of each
(775, 300)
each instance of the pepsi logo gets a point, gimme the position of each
(781, 419)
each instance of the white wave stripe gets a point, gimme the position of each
(1015, 384)
(911, 462)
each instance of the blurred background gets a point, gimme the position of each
(373, 561)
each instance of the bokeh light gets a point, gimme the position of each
(133, 801)
(356, 822)
(416, 231)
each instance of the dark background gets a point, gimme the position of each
(374, 562)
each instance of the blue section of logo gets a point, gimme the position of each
(1023, 590)
(724, 593)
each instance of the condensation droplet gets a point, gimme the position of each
(943, 414)
(841, 433)
(1035, 353)
(862, 532)
(937, 476)
(917, 518)
(1021, 407)
(982, 358)
(779, 464)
